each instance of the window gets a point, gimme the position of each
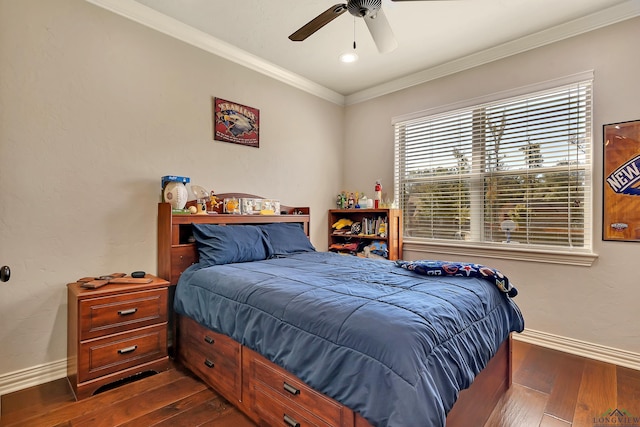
(515, 171)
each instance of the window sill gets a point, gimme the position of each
(450, 250)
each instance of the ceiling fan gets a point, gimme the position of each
(370, 10)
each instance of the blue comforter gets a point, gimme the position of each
(395, 346)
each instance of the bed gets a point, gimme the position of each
(295, 337)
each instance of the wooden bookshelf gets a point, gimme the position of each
(392, 231)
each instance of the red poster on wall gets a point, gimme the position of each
(236, 123)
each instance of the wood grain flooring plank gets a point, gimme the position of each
(35, 400)
(207, 412)
(172, 409)
(597, 394)
(629, 392)
(538, 370)
(143, 403)
(67, 412)
(230, 419)
(549, 421)
(563, 397)
(520, 406)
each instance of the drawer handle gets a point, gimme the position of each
(291, 389)
(127, 349)
(208, 339)
(290, 421)
(208, 363)
(127, 312)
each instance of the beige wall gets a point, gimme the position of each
(596, 304)
(94, 109)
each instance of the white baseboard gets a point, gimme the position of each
(580, 348)
(36, 375)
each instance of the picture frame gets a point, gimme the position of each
(235, 123)
(621, 181)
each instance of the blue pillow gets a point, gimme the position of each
(286, 238)
(226, 244)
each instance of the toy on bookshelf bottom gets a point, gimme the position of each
(366, 249)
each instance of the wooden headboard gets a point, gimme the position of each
(176, 253)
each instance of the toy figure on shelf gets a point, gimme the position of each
(213, 200)
(363, 201)
(382, 229)
(376, 249)
(378, 196)
(341, 201)
(351, 202)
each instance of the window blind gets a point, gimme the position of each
(512, 171)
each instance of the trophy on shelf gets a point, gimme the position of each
(508, 226)
(202, 195)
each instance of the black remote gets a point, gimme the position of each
(138, 274)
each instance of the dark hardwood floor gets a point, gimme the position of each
(549, 389)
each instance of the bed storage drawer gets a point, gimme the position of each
(215, 357)
(274, 393)
(104, 356)
(277, 412)
(118, 313)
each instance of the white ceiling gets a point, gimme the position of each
(435, 38)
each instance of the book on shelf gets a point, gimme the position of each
(374, 226)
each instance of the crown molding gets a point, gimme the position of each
(153, 19)
(627, 10)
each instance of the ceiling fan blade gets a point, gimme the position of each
(318, 22)
(381, 32)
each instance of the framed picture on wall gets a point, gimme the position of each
(621, 186)
(235, 123)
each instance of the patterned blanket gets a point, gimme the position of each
(448, 268)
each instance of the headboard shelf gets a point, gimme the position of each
(176, 252)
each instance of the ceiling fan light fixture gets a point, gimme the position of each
(369, 10)
(348, 57)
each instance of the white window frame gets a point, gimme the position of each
(583, 256)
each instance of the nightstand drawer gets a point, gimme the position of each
(117, 352)
(119, 313)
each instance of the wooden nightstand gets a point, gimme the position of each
(114, 332)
